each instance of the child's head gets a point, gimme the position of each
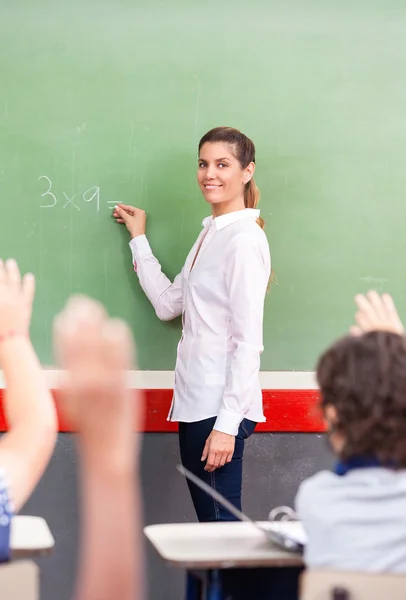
(362, 382)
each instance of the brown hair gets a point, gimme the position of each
(244, 151)
(364, 379)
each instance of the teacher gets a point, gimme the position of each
(220, 294)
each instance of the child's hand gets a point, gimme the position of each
(376, 313)
(16, 298)
(96, 353)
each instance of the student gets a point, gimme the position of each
(355, 516)
(220, 294)
(96, 352)
(27, 446)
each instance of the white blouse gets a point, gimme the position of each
(220, 293)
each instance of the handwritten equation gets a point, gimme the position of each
(92, 194)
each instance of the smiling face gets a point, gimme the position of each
(221, 177)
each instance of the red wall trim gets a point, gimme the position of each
(285, 411)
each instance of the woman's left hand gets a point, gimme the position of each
(218, 450)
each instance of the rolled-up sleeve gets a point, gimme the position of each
(165, 296)
(247, 277)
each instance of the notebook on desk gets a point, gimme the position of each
(289, 535)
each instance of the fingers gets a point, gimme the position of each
(88, 341)
(229, 457)
(118, 346)
(216, 460)
(28, 289)
(12, 272)
(16, 297)
(116, 215)
(389, 303)
(96, 353)
(213, 462)
(205, 451)
(226, 458)
(133, 218)
(365, 322)
(366, 311)
(131, 210)
(76, 330)
(378, 306)
(392, 312)
(219, 450)
(223, 460)
(120, 213)
(355, 330)
(376, 312)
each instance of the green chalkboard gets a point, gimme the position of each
(105, 101)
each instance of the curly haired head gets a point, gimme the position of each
(363, 379)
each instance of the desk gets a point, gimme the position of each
(205, 549)
(30, 537)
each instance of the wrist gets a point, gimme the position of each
(112, 465)
(217, 432)
(10, 334)
(136, 233)
(13, 340)
(111, 456)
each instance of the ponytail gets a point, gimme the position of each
(251, 198)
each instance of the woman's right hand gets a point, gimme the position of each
(135, 219)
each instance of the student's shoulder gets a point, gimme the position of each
(320, 481)
(316, 488)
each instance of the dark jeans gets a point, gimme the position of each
(227, 480)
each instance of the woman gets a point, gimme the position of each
(220, 294)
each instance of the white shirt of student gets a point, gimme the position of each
(355, 522)
(220, 293)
